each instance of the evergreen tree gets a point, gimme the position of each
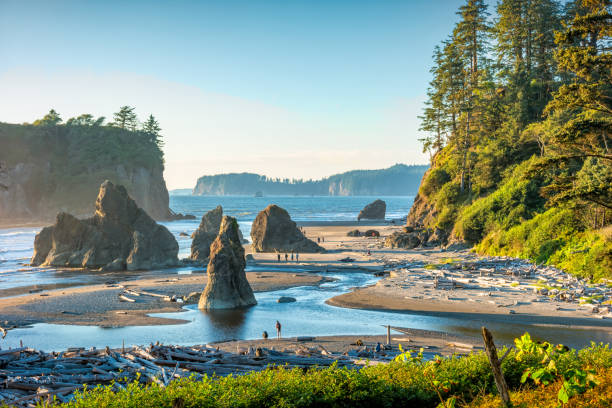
(582, 109)
(125, 119)
(50, 119)
(151, 128)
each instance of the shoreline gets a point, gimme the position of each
(100, 304)
(406, 287)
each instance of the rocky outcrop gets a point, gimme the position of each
(405, 240)
(206, 234)
(31, 193)
(273, 230)
(371, 233)
(354, 233)
(46, 170)
(227, 286)
(119, 236)
(412, 237)
(374, 211)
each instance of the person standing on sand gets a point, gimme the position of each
(286, 257)
(278, 330)
(278, 257)
(292, 255)
(318, 240)
(297, 257)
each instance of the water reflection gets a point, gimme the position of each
(308, 316)
(229, 324)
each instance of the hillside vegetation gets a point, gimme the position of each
(50, 166)
(518, 122)
(398, 180)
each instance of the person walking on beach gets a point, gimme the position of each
(292, 255)
(286, 257)
(278, 257)
(297, 257)
(278, 330)
(318, 240)
(322, 239)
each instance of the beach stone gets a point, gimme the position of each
(354, 233)
(227, 286)
(118, 230)
(286, 299)
(371, 233)
(374, 211)
(406, 240)
(274, 231)
(205, 234)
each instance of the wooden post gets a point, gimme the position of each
(500, 381)
(388, 334)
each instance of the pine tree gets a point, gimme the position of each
(471, 37)
(125, 119)
(580, 144)
(151, 128)
(50, 119)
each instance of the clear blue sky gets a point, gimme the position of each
(284, 88)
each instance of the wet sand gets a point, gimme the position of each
(431, 341)
(100, 304)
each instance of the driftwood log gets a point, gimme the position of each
(28, 376)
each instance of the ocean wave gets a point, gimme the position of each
(17, 233)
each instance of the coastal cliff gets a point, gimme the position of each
(48, 169)
(397, 180)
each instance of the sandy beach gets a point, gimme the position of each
(100, 304)
(407, 285)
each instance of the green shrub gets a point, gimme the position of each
(409, 383)
(554, 237)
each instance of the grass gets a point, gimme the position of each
(399, 384)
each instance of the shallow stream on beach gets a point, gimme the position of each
(309, 316)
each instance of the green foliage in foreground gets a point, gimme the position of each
(412, 382)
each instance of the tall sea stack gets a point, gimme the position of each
(227, 286)
(274, 231)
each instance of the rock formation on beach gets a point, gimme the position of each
(273, 230)
(37, 182)
(374, 211)
(119, 236)
(206, 234)
(412, 237)
(227, 286)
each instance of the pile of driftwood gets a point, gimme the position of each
(28, 375)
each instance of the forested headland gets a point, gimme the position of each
(397, 180)
(518, 121)
(53, 165)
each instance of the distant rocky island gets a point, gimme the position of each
(397, 180)
(50, 166)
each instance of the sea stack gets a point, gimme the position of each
(227, 286)
(374, 211)
(274, 231)
(206, 234)
(119, 236)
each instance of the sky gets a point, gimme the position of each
(288, 88)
